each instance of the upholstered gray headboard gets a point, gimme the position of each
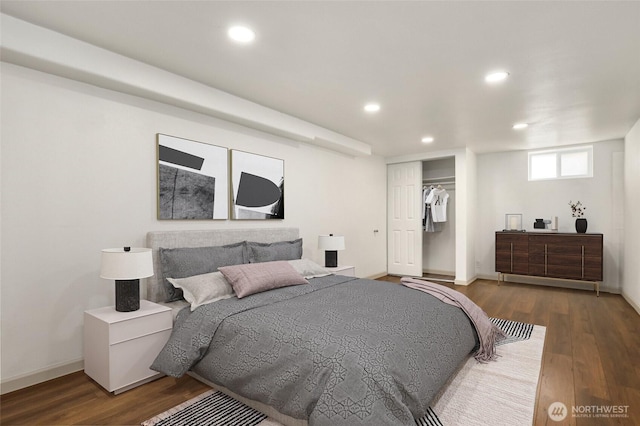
(205, 238)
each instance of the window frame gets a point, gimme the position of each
(588, 149)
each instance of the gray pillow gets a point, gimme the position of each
(190, 261)
(269, 252)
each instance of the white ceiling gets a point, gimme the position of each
(574, 65)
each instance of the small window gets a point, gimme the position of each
(562, 163)
(543, 166)
(574, 164)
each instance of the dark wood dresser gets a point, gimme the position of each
(576, 257)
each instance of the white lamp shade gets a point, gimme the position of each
(118, 264)
(331, 242)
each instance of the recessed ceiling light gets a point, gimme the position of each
(241, 34)
(496, 77)
(372, 107)
(520, 126)
(427, 139)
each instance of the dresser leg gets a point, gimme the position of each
(597, 286)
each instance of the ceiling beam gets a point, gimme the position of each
(31, 46)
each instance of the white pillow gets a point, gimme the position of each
(308, 268)
(202, 289)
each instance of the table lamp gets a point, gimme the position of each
(126, 265)
(330, 244)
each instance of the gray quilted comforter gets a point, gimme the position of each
(339, 351)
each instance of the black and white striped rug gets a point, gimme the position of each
(214, 408)
(513, 329)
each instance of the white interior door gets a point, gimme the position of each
(404, 217)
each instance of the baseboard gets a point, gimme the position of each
(487, 277)
(439, 272)
(465, 282)
(533, 280)
(376, 276)
(631, 302)
(39, 376)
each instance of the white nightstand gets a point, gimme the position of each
(349, 271)
(119, 347)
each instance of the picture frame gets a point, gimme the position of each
(257, 185)
(193, 179)
(513, 222)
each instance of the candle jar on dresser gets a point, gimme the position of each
(513, 222)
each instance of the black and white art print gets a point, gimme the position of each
(193, 179)
(258, 186)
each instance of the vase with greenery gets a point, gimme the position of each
(577, 211)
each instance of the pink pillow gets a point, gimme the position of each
(251, 278)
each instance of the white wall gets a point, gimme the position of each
(631, 270)
(78, 174)
(503, 187)
(469, 174)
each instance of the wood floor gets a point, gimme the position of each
(591, 358)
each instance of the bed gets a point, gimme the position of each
(335, 350)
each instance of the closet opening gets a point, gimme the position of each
(439, 230)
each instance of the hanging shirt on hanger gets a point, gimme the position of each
(427, 217)
(437, 199)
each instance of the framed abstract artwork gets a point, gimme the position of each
(257, 186)
(193, 179)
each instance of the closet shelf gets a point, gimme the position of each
(434, 179)
(442, 180)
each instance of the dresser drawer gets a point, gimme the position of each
(517, 263)
(554, 249)
(508, 241)
(593, 268)
(567, 267)
(130, 329)
(131, 359)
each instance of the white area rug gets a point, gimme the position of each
(497, 393)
